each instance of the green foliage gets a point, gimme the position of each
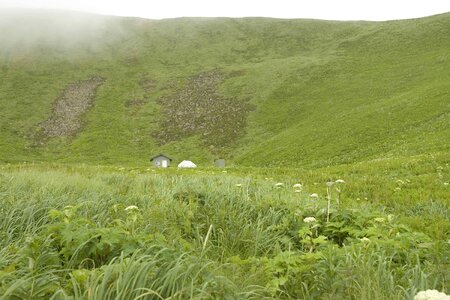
(290, 92)
(359, 101)
(78, 232)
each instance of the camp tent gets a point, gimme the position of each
(187, 164)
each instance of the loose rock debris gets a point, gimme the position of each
(66, 118)
(198, 109)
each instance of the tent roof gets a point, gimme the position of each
(153, 157)
(187, 164)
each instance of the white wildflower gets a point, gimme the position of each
(131, 207)
(446, 183)
(238, 184)
(390, 218)
(365, 240)
(340, 181)
(330, 183)
(297, 191)
(309, 220)
(431, 295)
(297, 186)
(314, 195)
(279, 184)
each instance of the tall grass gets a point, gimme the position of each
(66, 234)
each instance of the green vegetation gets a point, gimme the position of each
(305, 92)
(79, 232)
(294, 106)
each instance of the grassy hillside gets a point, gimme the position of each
(259, 92)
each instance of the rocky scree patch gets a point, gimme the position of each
(68, 110)
(198, 109)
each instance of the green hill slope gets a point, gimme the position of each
(261, 92)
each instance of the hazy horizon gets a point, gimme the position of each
(347, 10)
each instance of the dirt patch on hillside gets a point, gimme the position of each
(198, 109)
(68, 110)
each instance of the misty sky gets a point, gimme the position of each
(316, 9)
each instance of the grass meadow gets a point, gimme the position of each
(111, 232)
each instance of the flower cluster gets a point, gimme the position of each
(298, 187)
(309, 220)
(131, 207)
(431, 295)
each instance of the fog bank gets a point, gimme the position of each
(22, 29)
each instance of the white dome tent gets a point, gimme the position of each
(187, 164)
